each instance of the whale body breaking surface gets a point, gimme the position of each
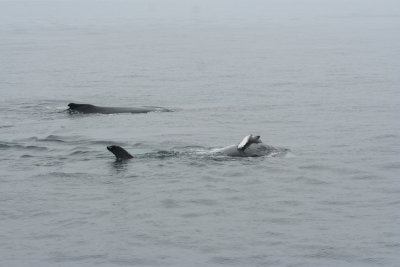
(88, 108)
(250, 146)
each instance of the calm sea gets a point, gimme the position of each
(319, 78)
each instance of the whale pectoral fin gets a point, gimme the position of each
(244, 143)
(247, 141)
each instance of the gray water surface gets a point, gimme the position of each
(315, 78)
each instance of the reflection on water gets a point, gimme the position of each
(120, 165)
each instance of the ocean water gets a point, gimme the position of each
(319, 79)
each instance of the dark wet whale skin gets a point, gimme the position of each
(254, 150)
(119, 152)
(88, 108)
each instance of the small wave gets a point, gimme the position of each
(50, 138)
(107, 143)
(315, 167)
(391, 165)
(384, 137)
(80, 144)
(66, 174)
(41, 148)
(311, 181)
(54, 138)
(161, 154)
(45, 110)
(166, 154)
(5, 145)
(76, 139)
(279, 152)
(27, 156)
(79, 152)
(365, 177)
(194, 148)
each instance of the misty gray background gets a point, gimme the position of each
(320, 78)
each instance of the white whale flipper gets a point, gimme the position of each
(247, 141)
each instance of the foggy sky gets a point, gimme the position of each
(74, 12)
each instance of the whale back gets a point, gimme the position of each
(254, 150)
(88, 108)
(83, 108)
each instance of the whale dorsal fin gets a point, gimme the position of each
(119, 152)
(247, 141)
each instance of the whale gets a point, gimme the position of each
(254, 150)
(250, 146)
(88, 108)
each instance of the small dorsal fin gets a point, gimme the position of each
(119, 152)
